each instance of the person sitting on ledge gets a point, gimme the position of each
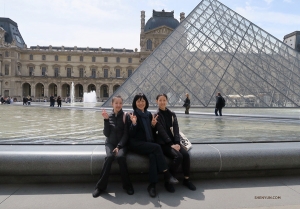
(116, 132)
(171, 144)
(141, 141)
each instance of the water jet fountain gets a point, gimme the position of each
(89, 97)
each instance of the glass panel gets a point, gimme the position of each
(216, 50)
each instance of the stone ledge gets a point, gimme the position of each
(67, 160)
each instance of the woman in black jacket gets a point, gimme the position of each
(170, 143)
(116, 132)
(141, 141)
(58, 101)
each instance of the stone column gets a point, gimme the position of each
(98, 92)
(142, 21)
(110, 89)
(85, 88)
(32, 86)
(1, 68)
(59, 89)
(18, 89)
(142, 36)
(182, 16)
(46, 90)
(1, 93)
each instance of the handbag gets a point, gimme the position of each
(184, 141)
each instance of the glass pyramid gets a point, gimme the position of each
(216, 50)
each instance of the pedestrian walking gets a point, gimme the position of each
(187, 104)
(220, 103)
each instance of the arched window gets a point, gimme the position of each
(43, 57)
(56, 72)
(31, 71)
(118, 73)
(6, 67)
(81, 72)
(69, 72)
(129, 72)
(44, 71)
(93, 73)
(105, 73)
(56, 57)
(149, 44)
(115, 87)
(69, 58)
(31, 57)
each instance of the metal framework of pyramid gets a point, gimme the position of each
(216, 50)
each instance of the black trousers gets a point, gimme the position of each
(187, 110)
(178, 157)
(110, 157)
(157, 161)
(218, 110)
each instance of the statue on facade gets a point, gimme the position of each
(2, 34)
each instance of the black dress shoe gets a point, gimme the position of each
(130, 191)
(97, 192)
(151, 191)
(169, 187)
(173, 180)
(189, 184)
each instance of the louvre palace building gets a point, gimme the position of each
(42, 71)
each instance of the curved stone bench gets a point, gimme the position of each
(70, 160)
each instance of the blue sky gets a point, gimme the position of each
(116, 23)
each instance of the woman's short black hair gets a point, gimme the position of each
(161, 95)
(137, 97)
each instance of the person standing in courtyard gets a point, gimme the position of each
(187, 104)
(116, 132)
(58, 101)
(142, 127)
(29, 100)
(170, 143)
(220, 103)
(52, 101)
(25, 101)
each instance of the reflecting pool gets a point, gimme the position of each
(83, 124)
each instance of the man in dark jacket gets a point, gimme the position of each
(52, 101)
(220, 103)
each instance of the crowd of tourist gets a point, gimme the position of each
(6, 100)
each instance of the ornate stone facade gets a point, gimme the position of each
(42, 71)
(153, 33)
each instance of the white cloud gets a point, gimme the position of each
(269, 1)
(256, 14)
